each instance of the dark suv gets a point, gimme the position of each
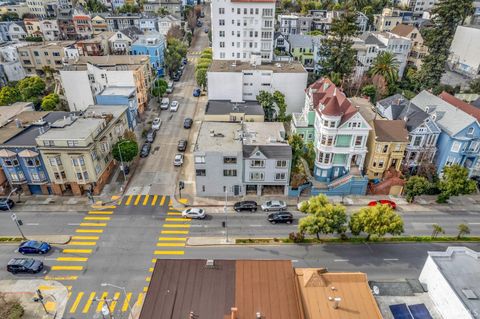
(24, 265)
(182, 145)
(151, 136)
(6, 204)
(280, 217)
(187, 123)
(245, 205)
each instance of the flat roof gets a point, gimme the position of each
(80, 129)
(239, 66)
(10, 129)
(219, 137)
(8, 112)
(118, 90)
(460, 266)
(222, 107)
(260, 133)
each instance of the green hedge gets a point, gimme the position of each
(359, 240)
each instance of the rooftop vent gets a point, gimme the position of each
(258, 315)
(210, 263)
(469, 294)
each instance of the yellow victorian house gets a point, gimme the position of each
(386, 146)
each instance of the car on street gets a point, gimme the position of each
(157, 122)
(176, 77)
(202, 14)
(151, 136)
(169, 87)
(274, 205)
(178, 160)
(145, 149)
(184, 61)
(206, 30)
(199, 23)
(6, 204)
(24, 265)
(194, 213)
(249, 205)
(182, 68)
(182, 145)
(197, 92)
(280, 217)
(174, 106)
(187, 123)
(165, 103)
(388, 202)
(34, 247)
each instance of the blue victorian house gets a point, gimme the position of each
(153, 45)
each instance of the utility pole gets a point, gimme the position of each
(226, 216)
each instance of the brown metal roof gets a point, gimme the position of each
(390, 131)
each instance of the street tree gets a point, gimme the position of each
(371, 91)
(159, 87)
(175, 32)
(437, 229)
(455, 182)
(267, 102)
(446, 15)
(296, 143)
(279, 99)
(129, 135)
(311, 205)
(463, 229)
(173, 61)
(125, 150)
(415, 185)
(376, 220)
(201, 78)
(31, 87)
(9, 95)
(50, 102)
(191, 20)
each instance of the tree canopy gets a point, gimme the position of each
(125, 150)
(50, 102)
(31, 87)
(376, 220)
(455, 182)
(9, 95)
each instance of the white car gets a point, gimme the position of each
(157, 122)
(274, 205)
(178, 160)
(165, 103)
(174, 106)
(170, 87)
(195, 213)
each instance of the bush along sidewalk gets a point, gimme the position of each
(7, 240)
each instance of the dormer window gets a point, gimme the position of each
(470, 131)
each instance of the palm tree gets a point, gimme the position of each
(463, 229)
(437, 229)
(385, 65)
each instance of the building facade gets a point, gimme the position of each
(120, 43)
(52, 54)
(121, 95)
(10, 62)
(419, 50)
(120, 22)
(83, 26)
(48, 30)
(167, 22)
(464, 57)
(12, 31)
(153, 45)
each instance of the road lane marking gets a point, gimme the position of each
(154, 200)
(200, 226)
(170, 202)
(340, 260)
(82, 243)
(145, 289)
(116, 296)
(174, 232)
(59, 278)
(474, 223)
(72, 258)
(93, 224)
(96, 218)
(100, 212)
(150, 269)
(170, 244)
(89, 302)
(129, 200)
(255, 225)
(43, 287)
(100, 303)
(162, 201)
(73, 224)
(137, 200)
(168, 252)
(174, 214)
(172, 238)
(74, 307)
(32, 224)
(67, 268)
(390, 259)
(104, 206)
(154, 260)
(148, 279)
(89, 231)
(177, 219)
(77, 251)
(126, 302)
(85, 237)
(139, 300)
(176, 225)
(145, 201)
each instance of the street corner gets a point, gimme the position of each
(209, 241)
(52, 239)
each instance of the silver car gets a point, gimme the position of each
(273, 205)
(195, 213)
(178, 160)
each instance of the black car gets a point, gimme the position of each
(24, 265)
(182, 145)
(245, 205)
(187, 123)
(6, 204)
(151, 135)
(145, 150)
(280, 217)
(176, 77)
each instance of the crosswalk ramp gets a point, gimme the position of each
(145, 200)
(83, 302)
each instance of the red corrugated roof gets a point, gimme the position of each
(464, 106)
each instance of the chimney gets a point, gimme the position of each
(233, 314)
(336, 302)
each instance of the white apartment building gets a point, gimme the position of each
(242, 29)
(42, 8)
(166, 22)
(464, 57)
(10, 61)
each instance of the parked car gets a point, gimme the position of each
(195, 213)
(199, 23)
(176, 77)
(178, 160)
(157, 122)
(182, 145)
(174, 106)
(206, 30)
(34, 247)
(151, 136)
(169, 87)
(202, 14)
(197, 92)
(390, 203)
(274, 205)
(187, 123)
(6, 204)
(24, 265)
(145, 149)
(182, 68)
(165, 103)
(280, 217)
(184, 61)
(249, 205)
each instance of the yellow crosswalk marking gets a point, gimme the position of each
(86, 308)
(148, 279)
(126, 302)
(100, 303)
(129, 200)
(174, 232)
(104, 206)
(43, 287)
(154, 200)
(100, 212)
(93, 224)
(172, 238)
(72, 258)
(77, 251)
(162, 201)
(174, 214)
(82, 243)
(85, 237)
(139, 300)
(137, 200)
(170, 202)
(177, 219)
(96, 218)
(59, 278)
(154, 260)
(67, 268)
(145, 289)
(150, 269)
(74, 307)
(115, 197)
(69, 295)
(170, 244)
(145, 201)
(69, 287)
(176, 225)
(113, 304)
(169, 252)
(96, 231)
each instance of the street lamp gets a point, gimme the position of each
(105, 284)
(226, 216)
(121, 160)
(13, 216)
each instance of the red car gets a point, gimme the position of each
(383, 202)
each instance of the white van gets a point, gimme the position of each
(165, 103)
(170, 87)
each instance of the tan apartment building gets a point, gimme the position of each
(77, 151)
(418, 50)
(52, 54)
(99, 25)
(386, 146)
(98, 45)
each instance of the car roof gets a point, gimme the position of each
(29, 242)
(18, 261)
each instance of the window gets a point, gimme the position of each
(229, 172)
(94, 154)
(35, 176)
(55, 161)
(32, 162)
(257, 163)
(398, 147)
(327, 140)
(221, 10)
(380, 164)
(456, 147)
(200, 172)
(78, 161)
(470, 131)
(385, 148)
(417, 141)
(358, 141)
(222, 44)
(450, 161)
(72, 143)
(10, 162)
(281, 164)
(48, 143)
(280, 176)
(256, 176)
(221, 34)
(229, 160)
(324, 158)
(221, 22)
(199, 159)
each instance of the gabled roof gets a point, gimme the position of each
(467, 108)
(390, 131)
(369, 38)
(270, 151)
(302, 41)
(403, 30)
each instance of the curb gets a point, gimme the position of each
(61, 239)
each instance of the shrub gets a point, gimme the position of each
(296, 237)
